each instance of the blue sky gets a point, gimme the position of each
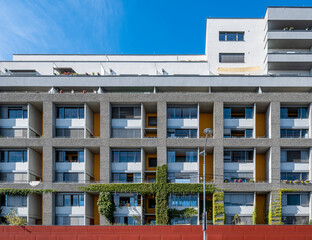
(117, 26)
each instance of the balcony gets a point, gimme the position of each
(182, 123)
(183, 167)
(70, 210)
(239, 167)
(295, 123)
(71, 167)
(290, 61)
(297, 210)
(240, 210)
(128, 211)
(127, 166)
(238, 123)
(294, 166)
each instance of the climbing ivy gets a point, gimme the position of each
(161, 189)
(24, 191)
(218, 215)
(106, 206)
(254, 216)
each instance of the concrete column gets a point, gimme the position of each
(218, 120)
(48, 209)
(47, 166)
(105, 164)
(218, 161)
(161, 133)
(275, 165)
(48, 120)
(105, 122)
(218, 165)
(275, 122)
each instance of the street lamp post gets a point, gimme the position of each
(208, 133)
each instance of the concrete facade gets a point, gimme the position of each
(98, 82)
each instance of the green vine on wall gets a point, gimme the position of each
(275, 207)
(106, 206)
(161, 189)
(254, 216)
(218, 215)
(24, 191)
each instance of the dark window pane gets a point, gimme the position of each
(231, 36)
(115, 112)
(152, 121)
(60, 112)
(81, 112)
(293, 199)
(240, 37)
(221, 36)
(152, 162)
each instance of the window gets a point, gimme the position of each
(182, 133)
(13, 201)
(238, 176)
(152, 121)
(295, 155)
(293, 199)
(13, 156)
(184, 221)
(182, 155)
(68, 177)
(152, 162)
(182, 177)
(239, 199)
(70, 112)
(125, 220)
(294, 133)
(187, 200)
(63, 199)
(295, 220)
(182, 112)
(126, 156)
(151, 203)
(294, 176)
(237, 133)
(126, 177)
(294, 113)
(238, 156)
(231, 57)
(127, 200)
(69, 155)
(17, 112)
(70, 221)
(238, 112)
(231, 36)
(126, 133)
(126, 112)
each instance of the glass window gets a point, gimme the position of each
(115, 112)
(81, 112)
(293, 199)
(227, 113)
(152, 121)
(152, 162)
(67, 200)
(75, 200)
(71, 112)
(222, 36)
(15, 113)
(240, 36)
(249, 133)
(126, 156)
(151, 203)
(60, 112)
(231, 57)
(249, 112)
(81, 200)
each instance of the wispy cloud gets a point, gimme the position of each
(59, 26)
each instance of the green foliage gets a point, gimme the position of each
(13, 219)
(161, 208)
(161, 189)
(218, 215)
(24, 192)
(186, 212)
(275, 208)
(254, 216)
(106, 206)
(142, 188)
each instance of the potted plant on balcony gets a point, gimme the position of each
(284, 181)
(239, 180)
(98, 74)
(235, 180)
(296, 182)
(251, 181)
(84, 91)
(291, 28)
(226, 180)
(61, 91)
(306, 181)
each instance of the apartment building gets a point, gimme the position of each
(68, 121)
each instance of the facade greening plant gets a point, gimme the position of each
(218, 215)
(275, 208)
(106, 206)
(161, 190)
(24, 192)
